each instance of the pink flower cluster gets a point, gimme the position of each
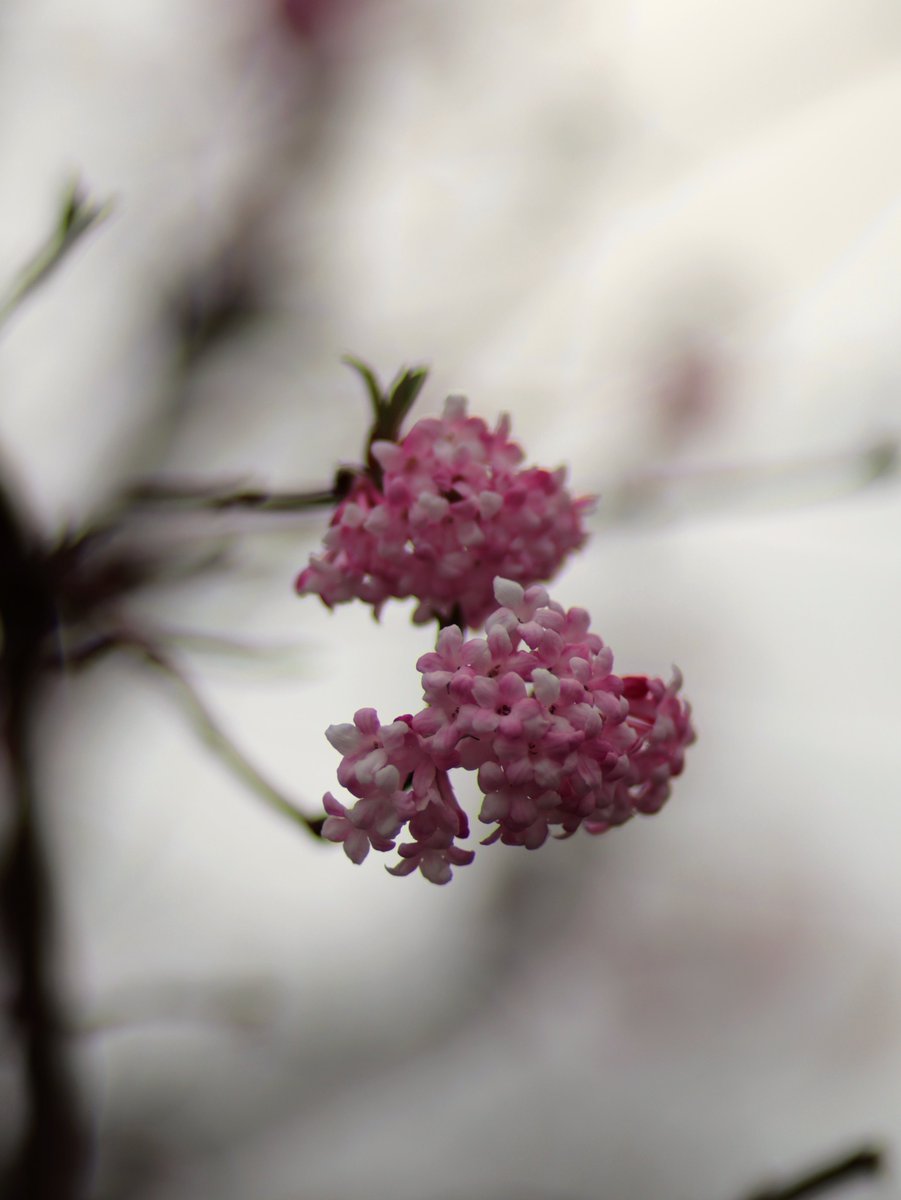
(450, 512)
(533, 706)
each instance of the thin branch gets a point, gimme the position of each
(677, 489)
(225, 645)
(236, 1007)
(195, 494)
(217, 739)
(77, 215)
(389, 412)
(866, 1162)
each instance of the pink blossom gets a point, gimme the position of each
(396, 785)
(451, 511)
(312, 19)
(558, 741)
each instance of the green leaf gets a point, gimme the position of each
(404, 391)
(372, 384)
(389, 413)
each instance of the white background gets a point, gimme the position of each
(558, 207)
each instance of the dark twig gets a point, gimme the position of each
(863, 1163)
(49, 1162)
(389, 410)
(194, 495)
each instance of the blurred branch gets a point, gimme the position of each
(667, 491)
(229, 646)
(77, 216)
(215, 737)
(189, 494)
(389, 410)
(50, 1159)
(217, 300)
(864, 1163)
(240, 1007)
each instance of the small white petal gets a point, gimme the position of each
(428, 507)
(545, 685)
(352, 516)
(377, 521)
(435, 869)
(387, 778)
(495, 807)
(387, 454)
(454, 407)
(345, 738)
(508, 593)
(490, 503)
(366, 768)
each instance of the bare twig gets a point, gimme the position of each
(667, 491)
(239, 1007)
(188, 494)
(389, 410)
(216, 738)
(77, 215)
(863, 1163)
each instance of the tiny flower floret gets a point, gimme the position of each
(452, 510)
(558, 741)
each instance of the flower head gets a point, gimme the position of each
(451, 510)
(558, 741)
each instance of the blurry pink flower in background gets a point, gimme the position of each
(559, 742)
(449, 513)
(312, 19)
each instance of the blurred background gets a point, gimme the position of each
(665, 236)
